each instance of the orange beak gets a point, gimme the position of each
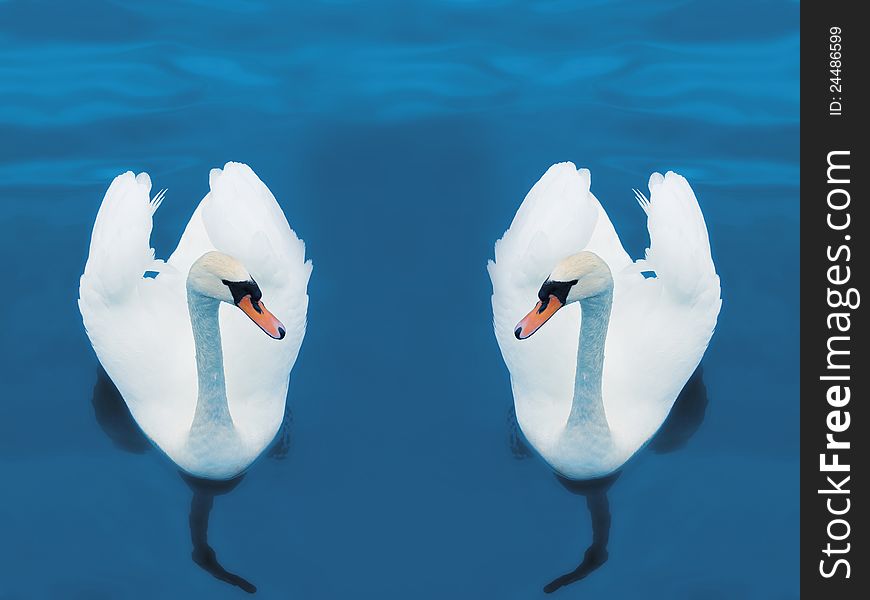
(539, 315)
(262, 317)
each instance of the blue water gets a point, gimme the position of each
(400, 139)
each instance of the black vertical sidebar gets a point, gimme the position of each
(835, 364)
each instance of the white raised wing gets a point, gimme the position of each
(240, 217)
(661, 325)
(139, 326)
(558, 217)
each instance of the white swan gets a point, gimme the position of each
(587, 405)
(205, 385)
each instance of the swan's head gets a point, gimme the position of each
(578, 277)
(221, 277)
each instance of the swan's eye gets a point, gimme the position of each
(240, 289)
(559, 289)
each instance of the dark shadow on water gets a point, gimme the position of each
(280, 448)
(519, 448)
(113, 416)
(682, 423)
(685, 418)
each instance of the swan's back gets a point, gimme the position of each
(140, 327)
(659, 327)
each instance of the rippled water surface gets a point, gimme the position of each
(400, 138)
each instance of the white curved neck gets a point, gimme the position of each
(587, 409)
(212, 411)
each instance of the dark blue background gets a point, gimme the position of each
(399, 138)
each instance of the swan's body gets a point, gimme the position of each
(204, 384)
(588, 397)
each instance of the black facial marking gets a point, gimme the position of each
(240, 289)
(559, 289)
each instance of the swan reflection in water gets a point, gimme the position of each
(204, 491)
(683, 421)
(114, 418)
